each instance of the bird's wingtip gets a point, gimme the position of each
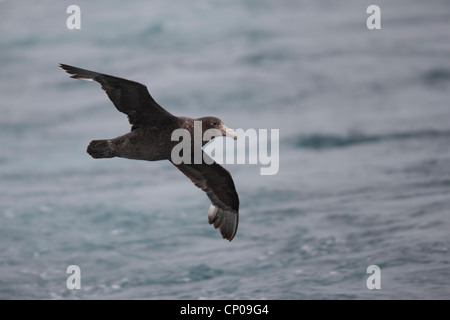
(78, 73)
(224, 220)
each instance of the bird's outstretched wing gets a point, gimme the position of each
(129, 97)
(216, 181)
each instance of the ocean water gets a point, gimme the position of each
(364, 174)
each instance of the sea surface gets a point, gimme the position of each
(364, 150)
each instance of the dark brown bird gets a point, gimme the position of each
(150, 139)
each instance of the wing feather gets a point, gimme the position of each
(129, 97)
(218, 184)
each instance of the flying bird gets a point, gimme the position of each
(150, 139)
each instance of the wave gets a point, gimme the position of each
(327, 141)
(436, 77)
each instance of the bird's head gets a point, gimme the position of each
(216, 123)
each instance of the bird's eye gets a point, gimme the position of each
(214, 123)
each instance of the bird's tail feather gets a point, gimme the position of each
(101, 149)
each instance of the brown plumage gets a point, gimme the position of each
(150, 139)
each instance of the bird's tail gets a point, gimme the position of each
(101, 149)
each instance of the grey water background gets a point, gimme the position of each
(364, 174)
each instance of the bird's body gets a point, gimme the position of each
(144, 143)
(150, 139)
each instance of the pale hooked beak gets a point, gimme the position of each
(228, 132)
